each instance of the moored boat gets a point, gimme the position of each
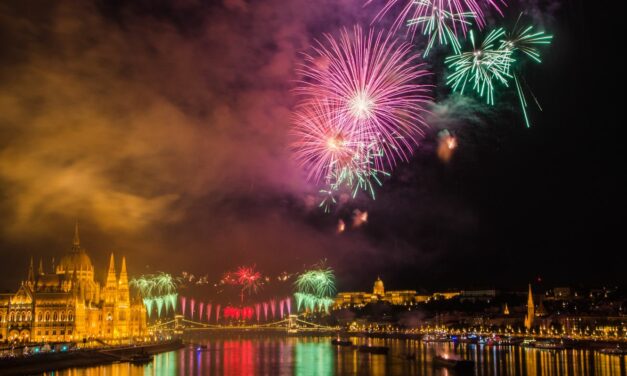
(613, 351)
(141, 358)
(549, 345)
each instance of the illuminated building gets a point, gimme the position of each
(378, 288)
(530, 310)
(69, 304)
(395, 297)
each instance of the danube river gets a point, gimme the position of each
(280, 355)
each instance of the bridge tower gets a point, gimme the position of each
(178, 324)
(292, 323)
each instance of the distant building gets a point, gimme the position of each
(378, 288)
(395, 297)
(69, 304)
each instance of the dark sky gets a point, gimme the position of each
(162, 127)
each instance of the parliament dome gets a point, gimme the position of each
(77, 259)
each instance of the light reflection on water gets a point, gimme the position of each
(303, 356)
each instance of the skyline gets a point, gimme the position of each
(167, 143)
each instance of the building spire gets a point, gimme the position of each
(123, 291)
(76, 242)
(31, 271)
(41, 266)
(111, 280)
(123, 274)
(530, 310)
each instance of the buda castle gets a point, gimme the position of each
(69, 304)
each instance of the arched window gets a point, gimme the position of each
(70, 316)
(39, 316)
(20, 316)
(54, 316)
(12, 316)
(47, 316)
(62, 316)
(28, 316)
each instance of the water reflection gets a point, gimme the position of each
(302, 356)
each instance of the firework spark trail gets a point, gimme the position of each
(481, 67)
(440, 25)
(327, 148)
(526, 41)
(315, 288)
(416, 9)
(157, 290)
(370, 79)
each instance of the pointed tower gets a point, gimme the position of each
(110, 288)
(31, 274)
(76, 242)
(530, 310)
(123, 304)
(123, 290)
(506, 310)
(40, 270)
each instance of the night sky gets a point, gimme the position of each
(162, 128)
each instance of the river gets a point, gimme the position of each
(250, 354)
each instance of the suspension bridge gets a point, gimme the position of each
(291, 324)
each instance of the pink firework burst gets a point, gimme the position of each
(324, 142)
(370, 83)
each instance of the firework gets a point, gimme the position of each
(157, 290)
(359, 218)
(369, 83)
(440, 25)
(481, 67)
(458, 11)
(315, 288)
(288, 304)
(248, 278)
(527, 42)
(447, 143)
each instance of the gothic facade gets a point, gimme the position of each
(69, 304)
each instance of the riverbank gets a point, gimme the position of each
(38, 363)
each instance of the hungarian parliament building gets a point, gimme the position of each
(69, 304)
